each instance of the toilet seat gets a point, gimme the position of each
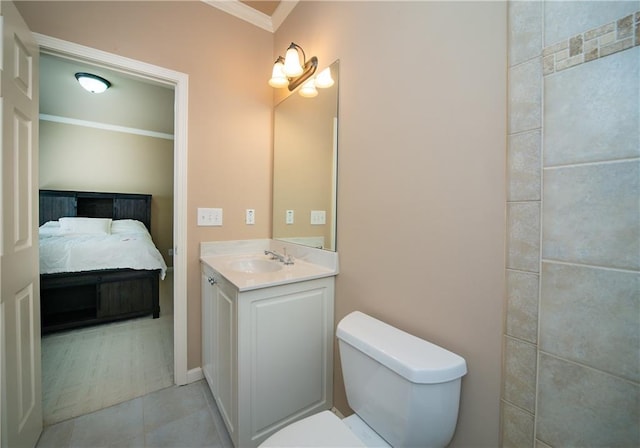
(320, 430)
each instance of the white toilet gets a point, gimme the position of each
(404, 390)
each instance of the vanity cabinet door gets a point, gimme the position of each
(286, 349)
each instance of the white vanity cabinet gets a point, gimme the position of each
(219, 342)
(267, 353)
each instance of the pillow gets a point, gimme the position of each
(49, 228)
(50, 225)
(94, 226)
(127, 226)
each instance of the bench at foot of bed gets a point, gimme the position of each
(72, 300)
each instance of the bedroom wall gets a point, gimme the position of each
(228, 62)
(81, 158)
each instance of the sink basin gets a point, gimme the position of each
(255, 266)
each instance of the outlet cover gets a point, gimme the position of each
(289, 217)
(250, 216)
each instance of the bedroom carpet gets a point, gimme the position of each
(88, 369)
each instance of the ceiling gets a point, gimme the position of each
(129, 102)
(264, 6)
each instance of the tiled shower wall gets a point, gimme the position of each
(571, 363)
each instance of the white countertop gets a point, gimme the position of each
(309, 263)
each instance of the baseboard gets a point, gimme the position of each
(338, 413)
(194, 375)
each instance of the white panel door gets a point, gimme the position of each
(19, 266)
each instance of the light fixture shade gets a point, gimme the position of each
(308, 89)
(92, 83)
(292, 66)
(278, 78)
(324, 79)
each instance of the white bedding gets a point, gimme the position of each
(127, 245)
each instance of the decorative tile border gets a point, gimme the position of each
(593, 44)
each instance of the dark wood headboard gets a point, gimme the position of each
(55, 204)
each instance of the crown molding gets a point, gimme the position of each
(281, 12)
(255, 17)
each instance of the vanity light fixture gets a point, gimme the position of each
(308, 89)
(92, 83)
(324, 79)
(290, 72)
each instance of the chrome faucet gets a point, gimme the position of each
(286, 259)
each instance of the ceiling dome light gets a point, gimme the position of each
(92, 83)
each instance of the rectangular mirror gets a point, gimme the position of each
(305, 167)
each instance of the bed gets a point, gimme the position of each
(98, 262)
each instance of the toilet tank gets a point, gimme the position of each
(405, 388)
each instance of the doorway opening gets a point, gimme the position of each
(179, 83)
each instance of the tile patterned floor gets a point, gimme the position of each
(177, 417)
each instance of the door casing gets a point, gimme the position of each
(180, 82)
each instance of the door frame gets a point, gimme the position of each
(180, 82)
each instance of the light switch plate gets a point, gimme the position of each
(318, 217)
(209, 216)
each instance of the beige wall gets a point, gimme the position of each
(229, 136)
(421, 196)
(87, 159)
(421, 176)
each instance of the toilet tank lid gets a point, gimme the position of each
(417, 360)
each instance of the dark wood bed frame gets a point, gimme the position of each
(76, 299)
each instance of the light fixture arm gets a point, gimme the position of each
(310, 67)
